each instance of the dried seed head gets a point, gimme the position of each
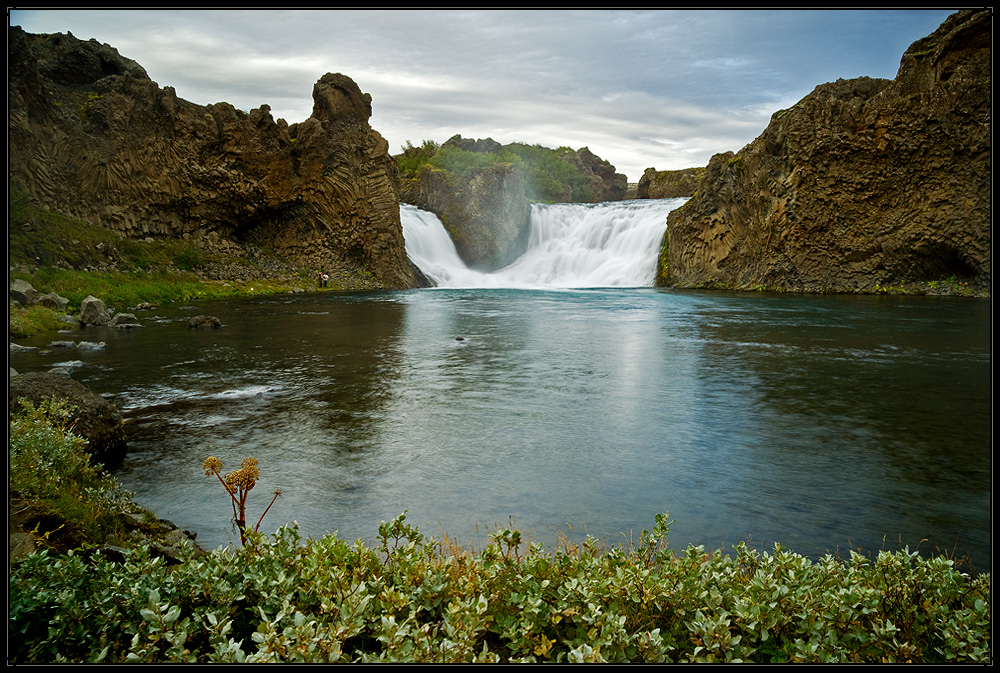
(250, 466)
(242, 479)
(212, 466)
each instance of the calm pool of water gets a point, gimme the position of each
(825, 423)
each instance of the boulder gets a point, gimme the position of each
(54, 301)
(93, 418)
(93, 312)
(125, 320)
(22, 292)
(204, 321)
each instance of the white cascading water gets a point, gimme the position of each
(571, 246)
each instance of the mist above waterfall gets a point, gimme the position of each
(611, 244)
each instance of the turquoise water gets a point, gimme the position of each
(825, 423)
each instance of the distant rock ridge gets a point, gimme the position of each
(863, 184)
(681, 183)
(92, 137)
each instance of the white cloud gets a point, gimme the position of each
(661, 88)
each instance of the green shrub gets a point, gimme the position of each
(188, 257)
(51, 471)
(414, 599)
(549, 174)
(31, 320)
(414, 158)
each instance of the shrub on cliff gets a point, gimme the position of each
(550, 174)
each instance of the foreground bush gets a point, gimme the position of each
(417, 599)
(285, 599)
(54, 485)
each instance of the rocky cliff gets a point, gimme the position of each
(487, 215)
(656, 184)
(482, 191)
(862, 185)
(92, 137)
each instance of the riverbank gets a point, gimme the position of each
(411, 598)
(74, 259)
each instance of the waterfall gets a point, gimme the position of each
(611, 244)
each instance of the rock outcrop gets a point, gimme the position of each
(92, 137)
(656, 184)
(486, 209)
(862, 185)
(94, 418)
(605, 183)
(487, 216)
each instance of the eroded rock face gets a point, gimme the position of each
(93, 137)
(863, 183)
(656, 184)
(487, 213)
(487, 216)
(605, 183)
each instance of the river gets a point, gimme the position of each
(566, 403)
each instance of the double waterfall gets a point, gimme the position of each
(571, 246)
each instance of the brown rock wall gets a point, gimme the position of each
(93, 137)
(861, 185)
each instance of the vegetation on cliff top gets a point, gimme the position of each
(551, 175)
(409, 598)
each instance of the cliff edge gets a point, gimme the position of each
(862, 185)
(93, 138)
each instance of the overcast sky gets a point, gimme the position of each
(640, 88)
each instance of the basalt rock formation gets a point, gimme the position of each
(605, 183)
(486, 210)
(92, 137)
(486, 215)
(656, 184)
(864, 184)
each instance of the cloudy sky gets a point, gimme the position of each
(640, 88)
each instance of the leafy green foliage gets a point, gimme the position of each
(27, 321)
(552, 176)
(413, 599)
(410, 598)
(51, 471)
(414, 158)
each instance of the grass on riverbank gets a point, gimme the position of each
(410, 598)
(55, 490)
(122, 290)
(75, 259)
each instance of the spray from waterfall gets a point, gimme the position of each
(571, 246)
